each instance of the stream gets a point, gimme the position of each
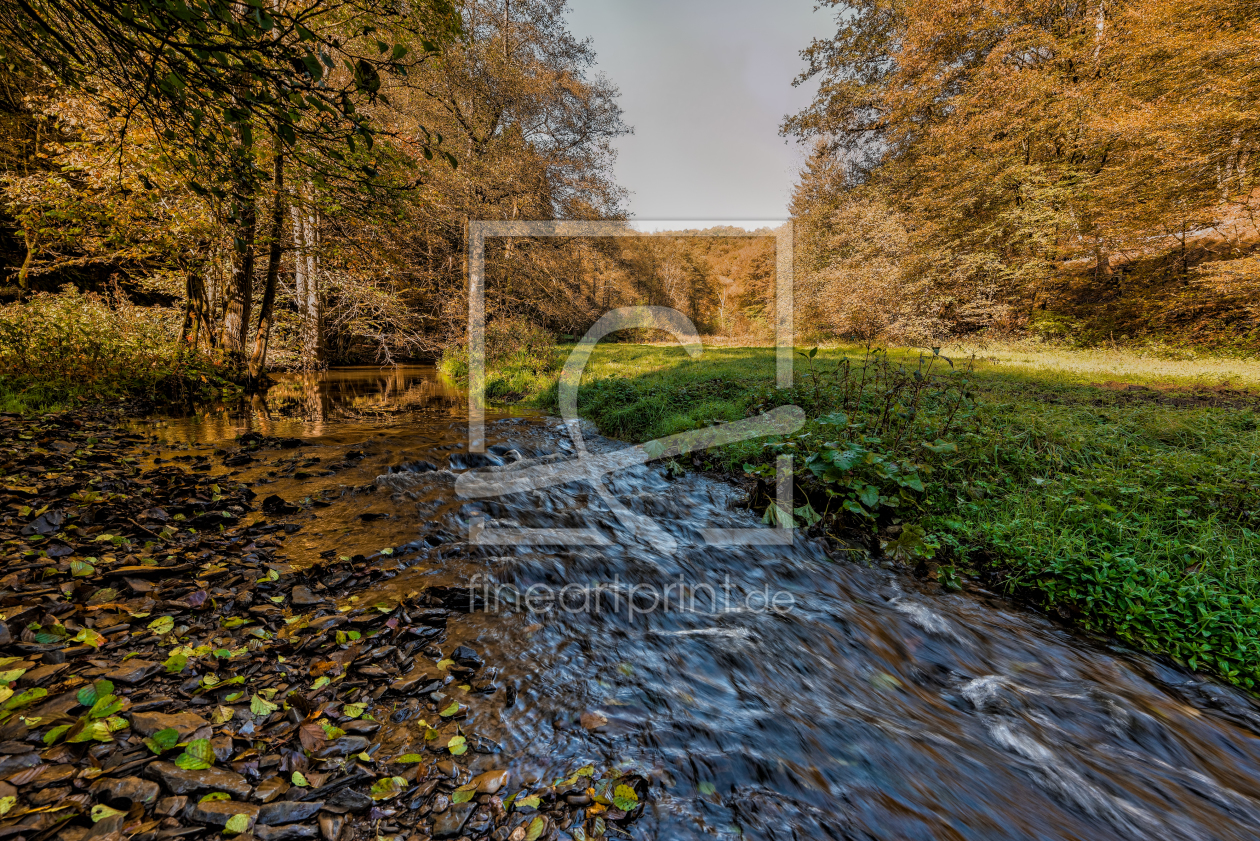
(860, 704)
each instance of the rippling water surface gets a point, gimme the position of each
(875, 708)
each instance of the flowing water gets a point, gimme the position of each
(870, 706)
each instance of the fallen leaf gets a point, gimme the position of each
(387, 788)
(236, 824)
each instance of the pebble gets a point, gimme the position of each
(41, 675)
(10, 764)
(330, 826)
(170, 806)
(51, 775)
(479, 824)
(219, 812)
(271, 788)
(350, 800)
(343, 746)
(180, 781)
(465, 656)
(222, 747)
(491, 781)
(323, 623)
(450, 823)
(106, 829)
(48, 795)
(409, 681)
(288, 811)
(303, 597)
(186, 724)
(128, 789)
(132, 672)
(288, 832)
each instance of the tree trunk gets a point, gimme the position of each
(306, 283)
(197, 316)
(258, 360)
(240, 293)
(1102, 260)
(32, 245)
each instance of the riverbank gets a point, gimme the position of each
(716, 708)
(167, 674)
(1122, 494)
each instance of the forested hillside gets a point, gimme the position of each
(1075, 169)
(721, 278)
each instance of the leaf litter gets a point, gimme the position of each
(163, 676)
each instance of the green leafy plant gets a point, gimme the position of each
(101, 720)
(947, 575)
(876, 441)
(162, 740)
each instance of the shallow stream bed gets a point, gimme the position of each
(868, 706)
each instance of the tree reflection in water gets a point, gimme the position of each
(305, 404)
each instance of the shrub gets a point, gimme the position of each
(868, 461)
(518, 352)
(71, 345)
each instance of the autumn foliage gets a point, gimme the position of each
(1006, 162)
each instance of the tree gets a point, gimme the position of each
(207, 74)
(532, 132)
(366, 264)
(222, 68)
(1018, 138)
(96, 204)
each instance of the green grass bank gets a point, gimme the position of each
(1118, 491)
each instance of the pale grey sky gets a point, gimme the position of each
(705, 83)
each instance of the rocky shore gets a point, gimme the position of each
(164, 676)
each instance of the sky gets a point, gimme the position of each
(705, 84)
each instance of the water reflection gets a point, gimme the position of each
(303, 404)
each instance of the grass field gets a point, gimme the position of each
(1119, 490)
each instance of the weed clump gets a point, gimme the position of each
(60, 349)
(519, 355)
